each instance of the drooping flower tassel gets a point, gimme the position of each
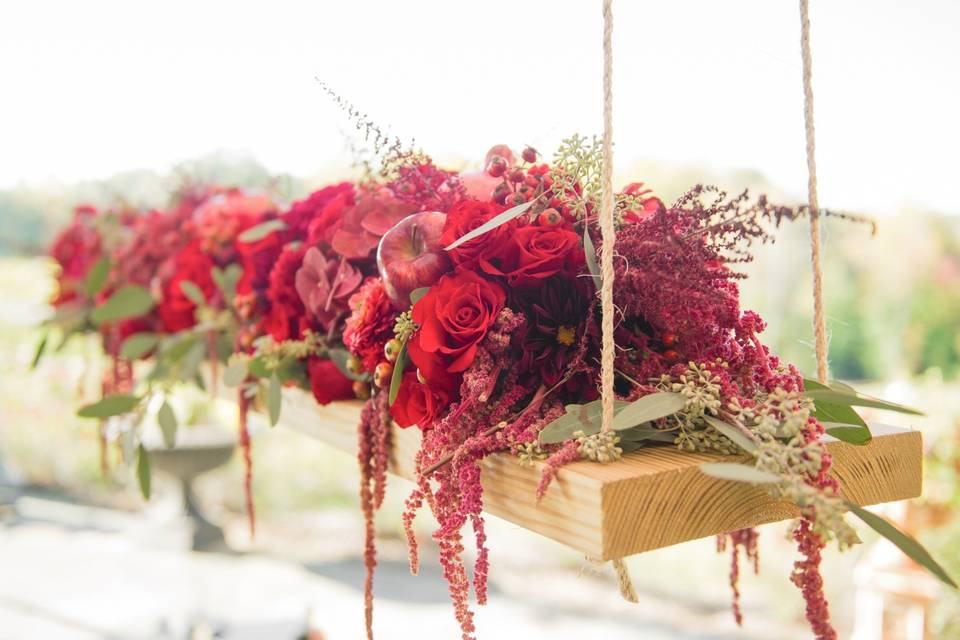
(373, 436)
(806, 576)
(746, 538)
(245, 448)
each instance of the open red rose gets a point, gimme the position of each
(416, 403)
(536, 252)
(286, 318)
(327, 383)
(454, 316)
(464, 217)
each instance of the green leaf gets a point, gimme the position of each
(193, 292)
(274, 400)
(838, 413)
(139, 345)
(491, 224)
(167, 420)
(109, 406)
(738, 472)
(41, 349)
(129, 301)
(644, 432)
(235, 374)
(226, 280)
(913, 549)
(397, 376)
(339, 358)
(579, 417)
(143, 471)
(97, 277)
(856, 400)
(732, 433)
(853, 434)
(650, 407)
(190, 365)
(262, 230)
(416, 294)
(174, 350)
(591, 253)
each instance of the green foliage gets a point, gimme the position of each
(129, 301)
(109, 406)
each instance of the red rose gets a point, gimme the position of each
(536, 252)
(176, 309)
(454, 316)
(417, 403)
(327, 383)
(301, 216)
(464, 217)
(286, 317)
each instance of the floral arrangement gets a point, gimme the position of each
(465, 306)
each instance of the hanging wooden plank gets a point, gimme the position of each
(653, 498)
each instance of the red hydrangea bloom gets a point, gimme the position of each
(327, 383)
(176, 309)
(464, 217)
(258, 259)
(314, 212)
(417, 403)
(286, 316)
(325, 285)
(454, 316)
(370, 324)
(75, 249)
(534, 253)
(363, 224)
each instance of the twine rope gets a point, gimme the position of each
(606, 264)
(819, 321)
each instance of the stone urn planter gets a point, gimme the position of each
(198, 449)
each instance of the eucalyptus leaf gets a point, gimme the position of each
(842, 414)
(258, 368)
(235, 373)
(226, 280)
(591, 253)
(167, 420)
(139, 345)
(846, 398)
(732, 433)
(41, 349)
(491, 224)
(416, 294)
(129, 301)
(650, 407)
(190, 364)
(97, 277)
(738, 472)
(109, 406)
(397, 376)
(174, 350)
(262, 230)
(645, 432)
(274, 400)
(907, 544)
(339, 358)
(143, 471)
(852, 434)
(193, 292)
(579, 417)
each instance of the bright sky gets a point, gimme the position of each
(88, 89)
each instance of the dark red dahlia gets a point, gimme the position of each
(556, 323)
(370, 324)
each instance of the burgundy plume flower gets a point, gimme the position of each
(556, 321)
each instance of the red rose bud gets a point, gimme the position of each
(497, 166)
(392, 349)
(549, 217)
(382, 374)
(530, 155)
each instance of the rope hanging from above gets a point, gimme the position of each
(608, 234)
(819, 322)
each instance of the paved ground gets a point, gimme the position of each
(77, 572)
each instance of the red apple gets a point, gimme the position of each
(411, 256)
